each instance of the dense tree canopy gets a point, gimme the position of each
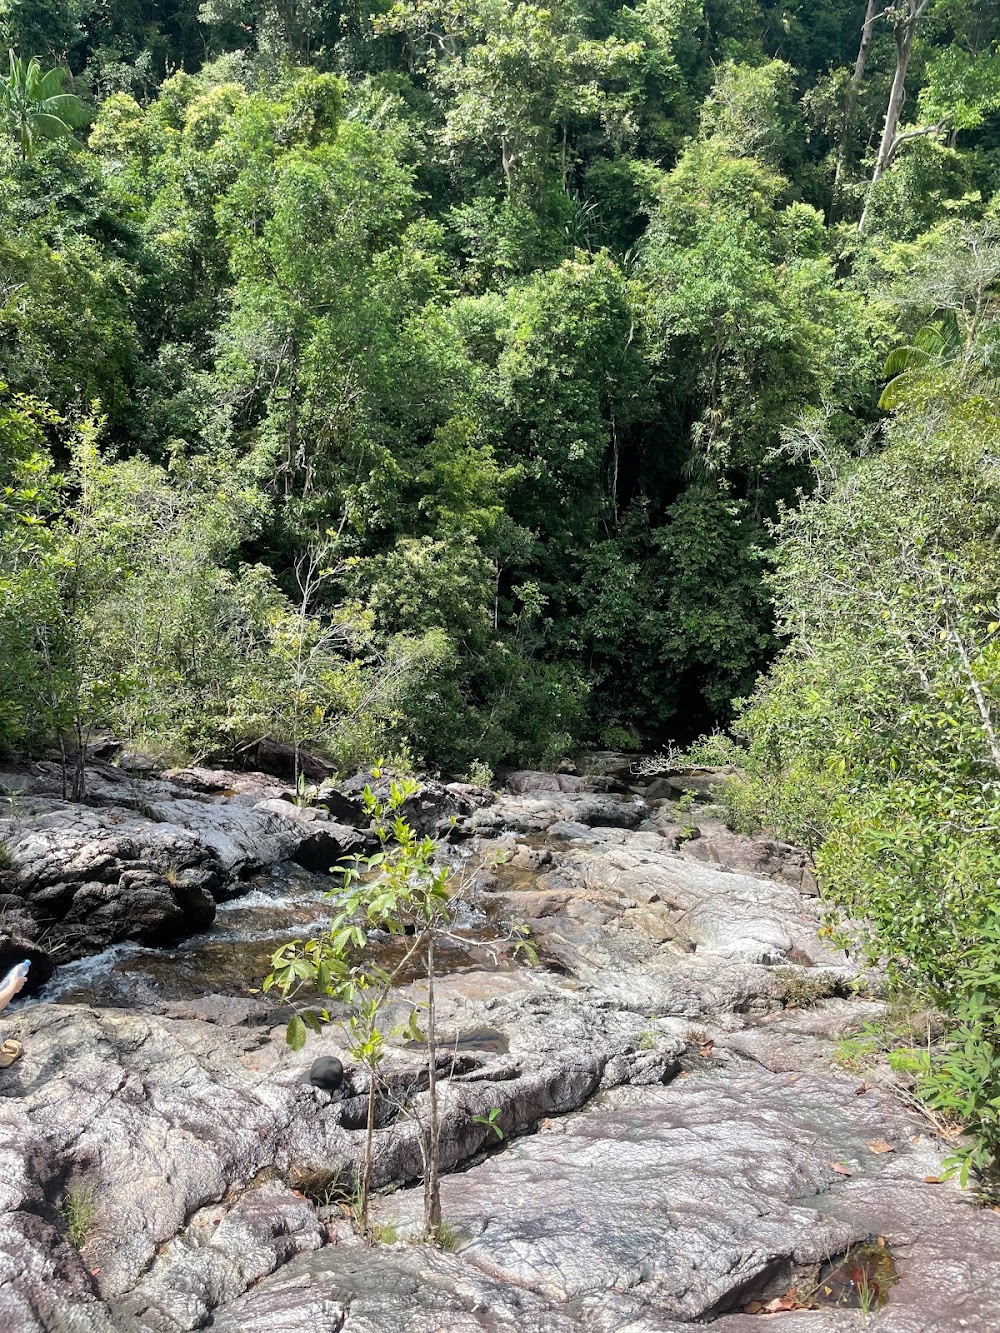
(502, 320)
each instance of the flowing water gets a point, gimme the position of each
(233, 957)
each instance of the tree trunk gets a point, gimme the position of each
(904, 30)
(432, 1184)
(853, 92)
(366, 1171)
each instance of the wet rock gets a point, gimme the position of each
(148, 859)
(94, 877)
(321, 842)
(16, 916)
(668, 1199)
(540, 811)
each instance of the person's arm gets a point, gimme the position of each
(13, 982)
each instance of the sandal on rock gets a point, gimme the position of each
(9, 1052)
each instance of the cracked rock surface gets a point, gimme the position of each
(678, 1142)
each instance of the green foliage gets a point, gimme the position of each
(79, 1211)
(448, 1237)
(509, 312)
(401, 890)
(384, 1233)
(33, 105)
(489, 1121)
(875, 738)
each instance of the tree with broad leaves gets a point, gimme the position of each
(33, 105)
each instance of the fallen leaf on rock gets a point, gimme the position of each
(94, 1272)
(861, 1089)
(932, 1180)
(880, 1145)
(840, 1170)
(755, 1307)
(705, 1049)
(789, 1302)
(545, 1124)
(880, 1240)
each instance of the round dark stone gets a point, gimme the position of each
(326, 1072)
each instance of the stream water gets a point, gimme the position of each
(234, 955)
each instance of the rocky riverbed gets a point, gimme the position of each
(679, 1147)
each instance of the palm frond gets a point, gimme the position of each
(50, 85)
(49, 127)
(68, 107)
(904, 358)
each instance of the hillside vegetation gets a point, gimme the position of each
(467, 383)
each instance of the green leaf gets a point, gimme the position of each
(295, 1033)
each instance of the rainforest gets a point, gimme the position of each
(462, 389)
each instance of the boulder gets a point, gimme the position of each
(146, 859)
(321, 843)
(278, 759)
(436, 808)
(766, 858)
(529, 780)
(95, 877)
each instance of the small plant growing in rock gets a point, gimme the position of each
(305, 793)
(447, 1237)
(803, 989)
(647, 1040)
(479, 774)
(78, 1210)
(685, 816)
(403, 890)
(490, 1121)
(15, 810)
(867, 1295)
(383, 1233)
(6, 856)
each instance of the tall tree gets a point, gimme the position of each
(905, 19)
